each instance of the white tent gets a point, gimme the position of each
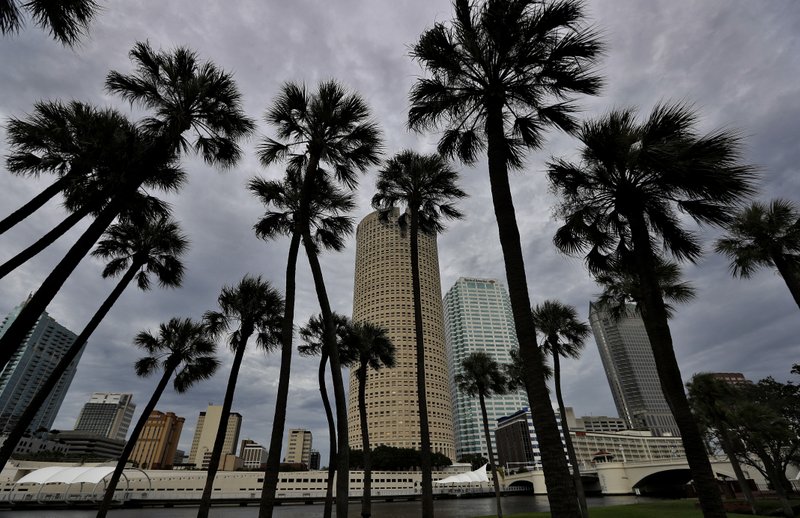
(74, 475)
(479, 475)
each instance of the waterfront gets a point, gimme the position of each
(456, 508)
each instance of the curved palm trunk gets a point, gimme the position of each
(777, 478)
(213, 465)
(343, 448)
(366, 499)
(560, 489)
(654, 315)
(14, 336)
(323, 391)
(43, 242)
(33, 205)
(272, 470)
(488, 437)
(727, 446)
(126, 452)
(790, 276)
(424, 429)
(573, 459)
(74, 350)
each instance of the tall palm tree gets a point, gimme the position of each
(313, 335)
(426, 186)
(65, 21)
(186, 96)
(252, 306)
(137, 248)
(563, 334)
(482, 376)
(621, 204)
(765, 236)
(182, 346)
(330, 127)
(368, 346)
(501, 72)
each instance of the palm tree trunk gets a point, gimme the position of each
(776, 478)
(126, 452)
(43, 242)
(488, 437)
(326, 403)
(727, 446)
(560, 488)
(33, 205)
(74, 350)
(654, 315)
(343, 448)
(790, 276)
(366, 498)
(14, 336)
(424, 429)
(272, 470)
(573, 459)
(213, 466)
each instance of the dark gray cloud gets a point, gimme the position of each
(737, 61)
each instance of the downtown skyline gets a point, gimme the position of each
(732, 59)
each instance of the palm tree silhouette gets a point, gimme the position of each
(765, 236)
(65, 21)
(621, 204)
(482, 376)
(135, 249)
(182, 346)
(252, 306)
(501, 72)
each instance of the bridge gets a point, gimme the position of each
(622, 478)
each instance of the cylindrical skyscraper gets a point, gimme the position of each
(382, 295)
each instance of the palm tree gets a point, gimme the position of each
(185, 96)
(368, 346)
(312, 335)
(65, 21)
(765, 236)
(426, 185)
(254, 306)
(330, 127)
(621, 205)
(182, 346)
(138, 249)
(563, 335)
(500, 73)
(482, 376)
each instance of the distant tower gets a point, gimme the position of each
(477, 316)
(29, 368)
(157, 443)
(298, 447)
(382, 295)
(631, 369)
(108, 414)
(206, 431)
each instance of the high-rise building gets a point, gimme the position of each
(29, 368)
(478, 318)
(158, 441)
(298, 447)
(517, 442)
(253, 455)
(108, 414)
(206, 432)
(735, 379)
(631, 369)
(382, 295)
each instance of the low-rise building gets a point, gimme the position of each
(88, 445)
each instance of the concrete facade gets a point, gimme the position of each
(298, 447)
(108, 414)
(157, 443)
(206, 431)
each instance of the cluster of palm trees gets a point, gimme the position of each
(497, 76)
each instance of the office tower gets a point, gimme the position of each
(108, 414)
(298, 447)
(382, 295)
(157, 443)
(29, 368)
(315, 460)
(478, 318)
(206, 431)
(253, 454)
(517, 443)
(631, 370)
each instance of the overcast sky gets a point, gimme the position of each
(737, 61)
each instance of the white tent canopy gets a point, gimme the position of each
(479, 475)
(62, 475)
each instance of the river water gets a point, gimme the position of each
(456, 508)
